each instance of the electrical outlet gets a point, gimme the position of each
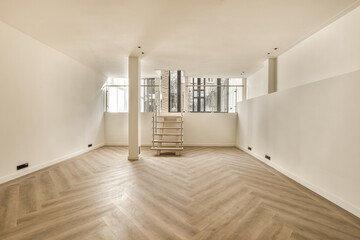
(25, 165)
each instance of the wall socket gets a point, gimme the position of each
(25, 165)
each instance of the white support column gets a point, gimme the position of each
(186, 95)
(134, 108)
(272, 82)
(244, 89)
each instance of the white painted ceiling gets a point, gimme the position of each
(220, 38)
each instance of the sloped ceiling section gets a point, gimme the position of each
(204, 38)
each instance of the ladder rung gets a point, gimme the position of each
(168, 121)
(170, 116)
(168, 134)
(168, 141)
(167, 148)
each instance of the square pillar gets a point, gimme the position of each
(244, 89)
(272, 83)
(134, 108)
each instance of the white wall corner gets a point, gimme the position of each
(38, 167)
(331, 197)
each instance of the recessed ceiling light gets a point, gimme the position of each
(268, 53)
(139, 46)
(275, 48)
(142, 53)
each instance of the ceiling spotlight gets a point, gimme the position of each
(275, 48)
(268, 53)
(142, 53)
(139, 46)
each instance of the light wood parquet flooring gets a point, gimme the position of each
(207, 193)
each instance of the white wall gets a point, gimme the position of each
(310, 128)
(200, 129)
(257, 83)
(333, 51)
(116, 129)
(117, 132)
(312, 134)
(209, 129)
(51, 106)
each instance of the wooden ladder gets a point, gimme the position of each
(168, 133)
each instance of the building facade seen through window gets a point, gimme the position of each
(176, 86)
(148, 89)
(214, 94)
(208, 95)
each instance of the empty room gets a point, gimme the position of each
(179, 120)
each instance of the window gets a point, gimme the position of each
(147, 94)
(117, 95)
(204, 94)
(175, 82)
(213, 94)
(235, 93)
(208, 95)
(197, 95)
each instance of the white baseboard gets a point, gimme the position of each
(32, 169)
(329, 196)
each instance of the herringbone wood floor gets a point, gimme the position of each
(207, 193)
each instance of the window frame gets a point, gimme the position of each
(145, 88)
(116, 86)
(126, 88)
(178, 92)
(199, 88)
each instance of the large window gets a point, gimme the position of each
(147, 94)
(175, 92)
(117, 94)
(208, 95)
(204, 94)
(213, 94)
(235, 93)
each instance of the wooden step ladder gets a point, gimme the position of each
(167, 133)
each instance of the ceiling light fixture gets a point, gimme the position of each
(139, 46)
(275, 48)
(142, 53)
